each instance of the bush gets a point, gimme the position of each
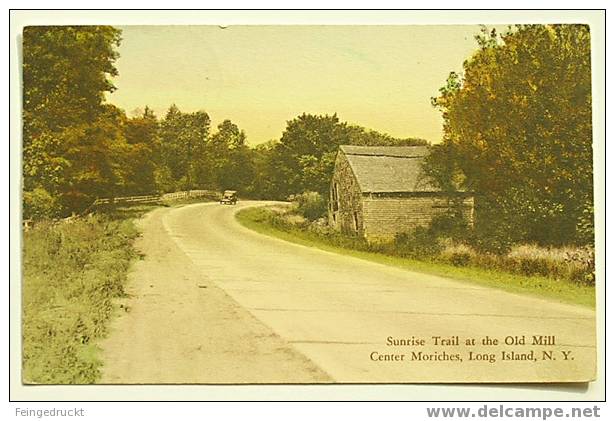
(71, 273)
(310, 204)
(584, 263)
(321, 227)
(75, 201)
(460, 259)
(294, 220)
(450, 226)
(458, 254)
(428, 241)
(164, 179)
(563, 263)
(421, 242)
(39, 204)
(529, 266)
(585, 225)
(497, 241)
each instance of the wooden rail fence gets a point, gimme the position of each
(152, 198)
(156, 198)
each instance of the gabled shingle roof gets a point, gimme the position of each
(389, 169)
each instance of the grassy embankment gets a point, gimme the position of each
(72, 272)
(259, 219)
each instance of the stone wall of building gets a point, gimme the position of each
(386, 216)
(345, 200)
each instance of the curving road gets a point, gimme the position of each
(213, 302)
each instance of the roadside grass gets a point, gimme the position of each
(72, 272)
(258, 219)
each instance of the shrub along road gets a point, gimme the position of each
(214, 302)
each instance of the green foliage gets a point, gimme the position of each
(585, 224)
(39, 204)
(164, 179)
(231, 158)
(96, 152)
(263, 185)
(428, 242)
(71, 140)
(420, 243)
(43, 166)
(450, 225)
(72, 271)
(357, 135)
(141, 159)
(494, 232)
(305, 141)
(76, 147)
(518, 133)
(569, 264)
(190, 158)
(278, 219)
(442, 167)
(310, 205)
(229, 136)
(496, 241)
(304, 158)
(183, 138)
(65, 73)
(460, 259)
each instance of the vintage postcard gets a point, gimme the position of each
(308, 204)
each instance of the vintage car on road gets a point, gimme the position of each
(229, 197)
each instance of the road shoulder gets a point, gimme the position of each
(177, 326)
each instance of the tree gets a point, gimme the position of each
(304, 158)
(229, 136)
(172, 156)
(183, 138)
(66, 72)
(195, 138)
(141, 134)
(357, 135)
(97, 154)
(263, 184)
(517, 132)
(231, 158)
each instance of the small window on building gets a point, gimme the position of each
(334, 217)
(336, 199)
(337, 195)
(356, 221)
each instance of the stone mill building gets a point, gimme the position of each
(379, 191)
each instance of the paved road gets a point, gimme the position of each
(213, 302)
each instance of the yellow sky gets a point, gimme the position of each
(381, 77)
